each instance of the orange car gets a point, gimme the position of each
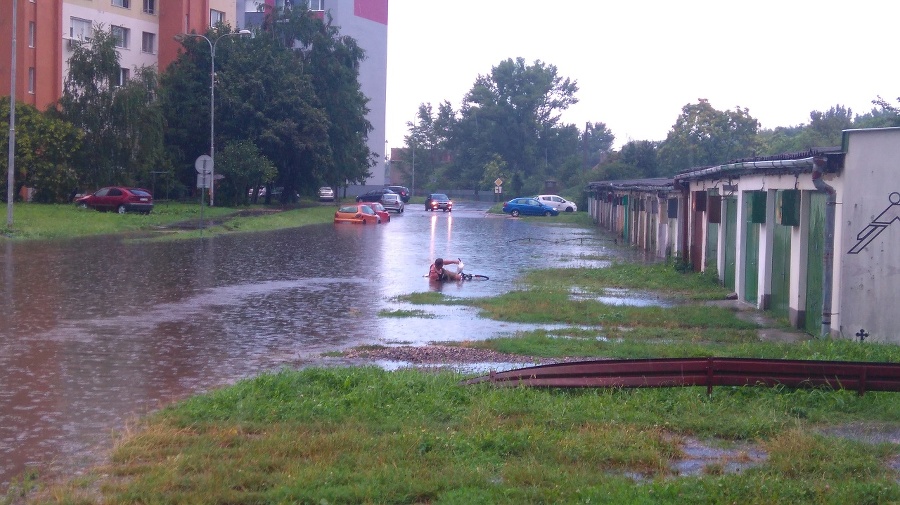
(357, 213)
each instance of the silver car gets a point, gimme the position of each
(392, 201)
(326, 194)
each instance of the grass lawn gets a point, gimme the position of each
(34, 221)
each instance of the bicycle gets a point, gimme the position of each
(468, 277)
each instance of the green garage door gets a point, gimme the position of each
(730, 242)
(815, 270)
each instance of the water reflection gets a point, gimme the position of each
(95, 331)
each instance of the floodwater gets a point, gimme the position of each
(94, 332)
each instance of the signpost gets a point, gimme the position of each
(498, 188)
(204, 167)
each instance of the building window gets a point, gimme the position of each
(31, 80)
(124, 75)
(316, 5)
(150, 6)
(121, 34)
(216, 17)
(148, 42)
(126, 4)
(80, 29)
(31, 30)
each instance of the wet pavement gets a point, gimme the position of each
(94, 332)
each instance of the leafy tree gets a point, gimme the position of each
(598, 141)
(293, 91)
(703, 136)
(505, 114)
(885, 115)
(121, 124)
(642, 155)
(45, 148)
(427, 138)
(244, 167)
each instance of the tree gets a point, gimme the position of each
(293, 92)
(244, 167)
(642, 155)
(597, 142)
(704, 136)
(45, 149)
(121, 123)
(505, 114)
(885, 115)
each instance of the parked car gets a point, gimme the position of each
(557, 202)
(403, 191)
(528, 206)
(436, 201)
(326, 194)
(392, 202)
(381, 211)
(118, 198)
(373, 196)
(357, 213)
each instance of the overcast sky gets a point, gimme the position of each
(637, 63)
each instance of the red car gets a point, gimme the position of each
(357, 213)
(118, 198)
(381, 211)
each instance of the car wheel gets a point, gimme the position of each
(570, 209)
(515, 213)
(120, 209)
(82, 205)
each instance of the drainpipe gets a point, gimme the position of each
(828, 251)
(685, 225)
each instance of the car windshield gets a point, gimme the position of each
(439, 197)
(139, 192)
(349, 209)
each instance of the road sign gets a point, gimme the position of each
(204, 181)
(498, 189)
(498, 182)
(204, 164)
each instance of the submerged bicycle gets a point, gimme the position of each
(467, 277)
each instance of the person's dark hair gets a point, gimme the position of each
(439, 262)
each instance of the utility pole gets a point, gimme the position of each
(10, 179)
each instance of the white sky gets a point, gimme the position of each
(637, 63)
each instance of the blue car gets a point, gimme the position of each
(528, 207)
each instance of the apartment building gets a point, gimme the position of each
(48, 30)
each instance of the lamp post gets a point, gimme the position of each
(10, 178)
(212, 101)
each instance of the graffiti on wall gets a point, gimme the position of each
(878, 225)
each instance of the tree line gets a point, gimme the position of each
(289, 112)
(508, 126)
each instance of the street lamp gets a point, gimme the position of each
(212, 100)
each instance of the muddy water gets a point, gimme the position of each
(94, 332)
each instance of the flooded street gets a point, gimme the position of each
(94, 332)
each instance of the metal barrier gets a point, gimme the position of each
(709, 372)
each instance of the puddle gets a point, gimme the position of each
(700, 458)
(615, 296)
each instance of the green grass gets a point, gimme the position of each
(32, 221)
(364, 435)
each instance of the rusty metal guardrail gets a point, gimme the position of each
(709, 372)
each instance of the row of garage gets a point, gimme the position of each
(813, 237)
